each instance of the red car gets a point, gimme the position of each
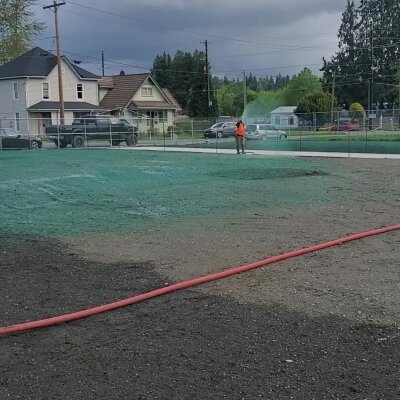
(345, 126)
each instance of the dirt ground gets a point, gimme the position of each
(320, 326)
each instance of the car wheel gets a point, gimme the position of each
(78, 141)
(35, 145)
(264, 138)
(219, 135)
(131, 140)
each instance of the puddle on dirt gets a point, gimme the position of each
(267, 173)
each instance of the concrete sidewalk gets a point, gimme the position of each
(269, 153)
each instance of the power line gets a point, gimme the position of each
(165, 26)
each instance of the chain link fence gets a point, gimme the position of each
(338, 131)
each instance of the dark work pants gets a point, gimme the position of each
(240, 144)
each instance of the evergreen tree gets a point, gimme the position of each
(251, 82)
(346, 63)
(184, 75)
(271, 84)
(161, 69)
(365, 63)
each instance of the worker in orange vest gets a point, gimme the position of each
(240, 133)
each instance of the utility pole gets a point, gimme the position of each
(371, 80)
(372, 69)
(207, 76)
(55, 8)
(244, 91)
(102, 62)
(333, 96)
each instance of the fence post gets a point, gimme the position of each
(148, 129)
(192, 123)
(86, 141)
(111, 138)
(315, 121)
(163, 134)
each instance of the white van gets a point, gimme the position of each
(264, 132)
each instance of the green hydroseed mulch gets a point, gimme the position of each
(335, 144)
(75, 192)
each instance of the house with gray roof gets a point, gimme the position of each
(284, 117)
(29, 97)
(139, 97)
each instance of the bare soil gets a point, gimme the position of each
(321, 326)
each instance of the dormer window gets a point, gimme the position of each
(147, 92)
(79, 90)
(46, 90)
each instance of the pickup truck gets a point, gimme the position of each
(114, 130)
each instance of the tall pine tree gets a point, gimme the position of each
(366, 62)
(185, 76)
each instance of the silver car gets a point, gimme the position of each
(221, 130)
(264, 132)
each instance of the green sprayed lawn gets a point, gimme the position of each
(340, 144)
(65, 192)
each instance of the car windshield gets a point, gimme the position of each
(125, 122)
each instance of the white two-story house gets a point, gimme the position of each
(29, 93)
(140, 98)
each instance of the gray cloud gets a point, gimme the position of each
(261, 36)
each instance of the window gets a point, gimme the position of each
(45, 90)
(17, 125)
(79, 90)
(291, 120)
(103, 122)
(15, 90)
(147, 91)
(78, 115)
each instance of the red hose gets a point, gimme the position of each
(185, 284)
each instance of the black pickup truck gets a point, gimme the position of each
(114, 130)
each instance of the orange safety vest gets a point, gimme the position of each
(240, 130)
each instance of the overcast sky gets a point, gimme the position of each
(264, 37)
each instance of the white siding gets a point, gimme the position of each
(102, 93)
(70, 79)
(157, 95)
(10, 106)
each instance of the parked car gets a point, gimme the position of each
(220, 130)
(212, 130)
(264, 132)
(93, 127)
(347, 126)
(12, 139)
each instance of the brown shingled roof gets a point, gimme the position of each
(106, 82)
(172, 99)
(152, 105)
(125, 87)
